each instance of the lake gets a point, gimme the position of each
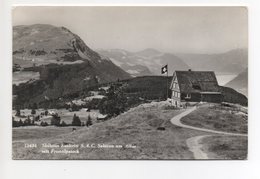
(224, 79)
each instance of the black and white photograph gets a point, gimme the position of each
(129, 83)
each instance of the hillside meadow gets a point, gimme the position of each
(138, 128)
(226, 147)
(143, 132)
(218, 117)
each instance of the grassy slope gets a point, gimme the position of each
(150, 87)
(226, 147)
(232, 96)
(240, 82)
(153, 87)
(217, 118)
(221, 119)
(32, 132)
(137, 127)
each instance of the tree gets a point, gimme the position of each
(55, 120)
(114, 104)
(20, 123)
(44, 124)
(18, 112)
(63, 124)
(27, 122)
(89, 121)
(74, 107)
(33, 111)
(76, 121)
(15, 123)
(37, 118)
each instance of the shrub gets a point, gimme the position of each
(161, 128)
(44, 124)
(33, 111)
(55, 120)
(27, 121)
(63, 124)
(37, 118)
(74, 107)
(89, 121)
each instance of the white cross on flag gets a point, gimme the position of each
(164, 69)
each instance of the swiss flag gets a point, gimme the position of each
(164, 69)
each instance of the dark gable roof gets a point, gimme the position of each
(197, 81)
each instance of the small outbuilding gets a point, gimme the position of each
(195, 86)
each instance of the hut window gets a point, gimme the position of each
(188, 96)
(176, 94)
(196, 86)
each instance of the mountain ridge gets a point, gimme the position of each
(65, 63)
(232, 61)
(240, 83)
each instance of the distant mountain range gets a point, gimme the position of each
(149, 61)
(148, 53)
(231, 62)
(145, 62)
(128, 61)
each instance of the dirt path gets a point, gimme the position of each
(196, 147)
(193, 143)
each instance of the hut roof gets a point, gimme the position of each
(197, 81)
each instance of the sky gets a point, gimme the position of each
(169, 29)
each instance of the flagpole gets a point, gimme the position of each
(167, 84)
